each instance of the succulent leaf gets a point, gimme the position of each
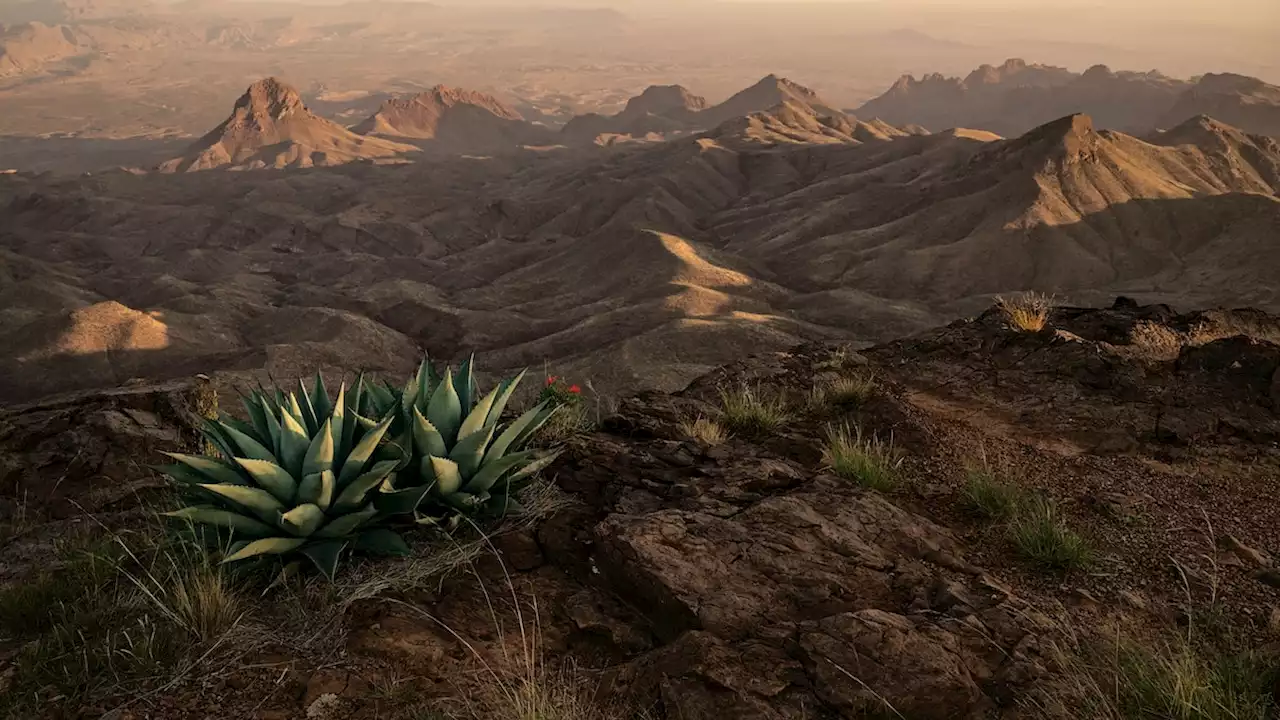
(448, 478)
(399, 502)
(249, 447)
(470, 450)
(319, 455)
(302, 520)
(445, 410)
(320, 398)
(493, 471)
(381, 541)
(211, 468)
(255, 500)
(362, 451)
(509, 437)
(353, 495)
(272, 478)
(294, 442)
(308, 411)
(209, 515)
(317, 488)
(464, 383)
(347, 524)
(428, 439)
(325, 556)
(265, 546)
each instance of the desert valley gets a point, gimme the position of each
(848, 396)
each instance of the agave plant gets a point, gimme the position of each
(302, 477)
(450, 440)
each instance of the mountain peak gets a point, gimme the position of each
(271, 98)
(661, 99)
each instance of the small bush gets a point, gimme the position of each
(748, 412)
(704, 430)
(1028, 312)
(988, 497)
(868, 461)
(841, 391)
(1042, 537)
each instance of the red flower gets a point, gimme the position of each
(551, 380)
(575, 389)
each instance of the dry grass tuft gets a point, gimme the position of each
(1042, 537)
(1028, 312)
(867, 460)
(989, 497)
(1127, 679)
(705, 431)
(749, 412)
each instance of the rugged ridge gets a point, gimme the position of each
(455, 120)
(1017, 96)
(270, 127)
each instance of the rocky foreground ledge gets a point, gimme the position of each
(745, 579)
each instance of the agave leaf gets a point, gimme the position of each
(398, 449)
(508, 438)
(504, 505)
(534, 426)
(308, 410)
(272, 478)
(479, 415)
(325, 556)
(448, 478)
(348, 523)
(294, 442)
(301, 520)
(337, 416)
(505, 389)
(445, 410)
(276, 432)
(255, 500)
(470, 450)
(381, 541)
(428, 439)
(217, 436)
(516, 479)
(218, 517)
(294, 408)
(464, 382)
(249, 447)
(225, 420)
(349, 423)
(399, 502)
(353, 495)
(360, 454)
(257, 416)
(319, 455)
(381, 398)
(184, 475)
(466, 502)
(424, 384)
(320, 401)
(492, 471)
(365, 423)
(317, 488)
(265, 546)
(211, 468)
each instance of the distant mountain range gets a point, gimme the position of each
(641, 267)
(1017, 96)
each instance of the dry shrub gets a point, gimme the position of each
(1156, 341)
(1027, 312)
(705, 431)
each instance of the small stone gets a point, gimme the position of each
(1253, 557)
(1084, 598)
(519, 550)
(236, 682)
(950, 595)
(325, 682)
(1133, 600)
(323, 707)
(1273, 621)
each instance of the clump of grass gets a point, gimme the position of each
(1126, 679)
(568, 422)
(842, 391)
(866, 460)
(1042, 537)
(989, 497)
(1028, 312)
(841, 358)
(749, 412)
(703, 430)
